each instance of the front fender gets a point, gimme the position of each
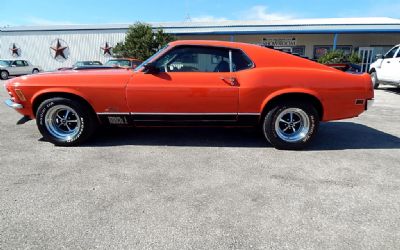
(59, 90)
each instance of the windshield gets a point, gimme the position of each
(138, 68)
(5, 63)
(120, 63)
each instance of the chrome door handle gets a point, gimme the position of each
(231, 80)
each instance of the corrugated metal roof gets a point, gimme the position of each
(326, 25)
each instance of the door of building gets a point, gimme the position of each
(367, 57)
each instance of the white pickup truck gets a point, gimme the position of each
(386, 70)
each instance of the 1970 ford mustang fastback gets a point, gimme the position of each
(195, 83)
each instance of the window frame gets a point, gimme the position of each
(395, 49)
(229, 49)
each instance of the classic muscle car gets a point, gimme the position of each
(195, 83)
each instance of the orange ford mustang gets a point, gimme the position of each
(195, 83)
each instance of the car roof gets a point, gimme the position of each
(214, 43)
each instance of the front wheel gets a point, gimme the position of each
(65, 122)
(291, 126)
(4, 75)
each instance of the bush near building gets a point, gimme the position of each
(338, 56)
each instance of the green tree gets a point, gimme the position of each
(141, 42)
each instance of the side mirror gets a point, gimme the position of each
(380, 56)
(150, 68)
(13, 65)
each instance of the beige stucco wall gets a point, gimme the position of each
(310, 40)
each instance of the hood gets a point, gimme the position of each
(70, 77)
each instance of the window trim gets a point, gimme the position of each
(230, 49)
(396, 51)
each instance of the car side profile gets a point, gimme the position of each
(195, 83)
(386, 70)
(17, 68)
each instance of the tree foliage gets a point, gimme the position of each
(338, 56)
(141, 42)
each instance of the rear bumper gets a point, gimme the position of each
(369, 103)
(13, 105)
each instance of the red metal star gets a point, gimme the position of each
(14, 50)
(59, 50)
(107, 49)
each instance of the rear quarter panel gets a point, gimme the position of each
(336, 90)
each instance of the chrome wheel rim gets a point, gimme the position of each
(292, 125)
(4, 74)
(62, 122)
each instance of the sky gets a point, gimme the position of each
(54, 12)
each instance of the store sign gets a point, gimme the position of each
(279, 41)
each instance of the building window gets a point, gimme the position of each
(321, 50)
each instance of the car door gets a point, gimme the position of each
(190, 83)
(27, 69)
(388, 66)
(19, 67)
(395, 72)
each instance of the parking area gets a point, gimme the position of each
(204, 188)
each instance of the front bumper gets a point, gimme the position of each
(369, 103)
(13, 105)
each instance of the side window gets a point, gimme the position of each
(240, 61)
(194, 59)
(19, 63)
(25, 63)
(391, 53)
(398, 54)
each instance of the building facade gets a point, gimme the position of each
(310, 38)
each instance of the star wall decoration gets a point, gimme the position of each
(106, 49)
(15, 50)
(59, 50)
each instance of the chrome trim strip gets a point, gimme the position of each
(145, 113)
(249, 114)
(114, 113)
(13, 105)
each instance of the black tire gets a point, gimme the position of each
(375, 80)
(55, 127)
(4, 75)
(35, 71)
(308, 118)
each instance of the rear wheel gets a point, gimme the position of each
(375, 80)
(65, 122)
(4, 75)
(35, 71)
(291, 125)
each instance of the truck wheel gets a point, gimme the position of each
(375, 80)
(4, 75)
(291, 126)
(65, 122)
